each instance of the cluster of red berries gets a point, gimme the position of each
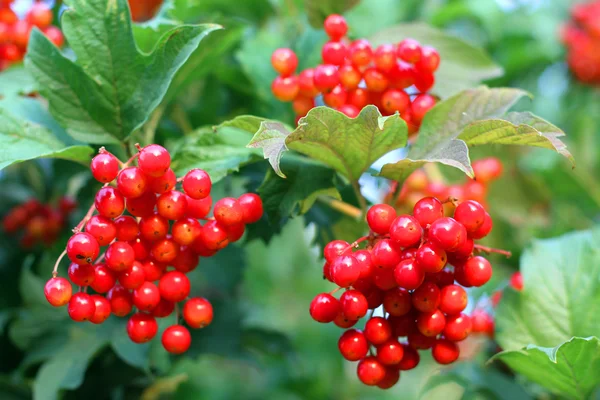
(41, 223)
(14, 33)
(395, 78)
(419, 184)
(143, 10)
(150, 251)
(582, 39)
(409, 267)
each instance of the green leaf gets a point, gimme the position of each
(474, 117)
(219, 153)
(21, 141)
(16, 81)
(112, 87)
(349, 145)
(569, 370)
(306, 180)
(463, 65)
(318, 10)
(561, 296)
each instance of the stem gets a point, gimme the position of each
(180, 118)
(335, 290)
(361, 200)
(101, 257)
(133, 157)
(341, 206)
(488, 250)
(55, 270)
(87, 216)
(152, 124)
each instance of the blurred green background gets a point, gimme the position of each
(262, 343)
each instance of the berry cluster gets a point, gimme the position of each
(420, 184)
(150, 251)
(14, 33)
(395, 78)
(582, 39)
(41, 223)
(409, 267)
(143, 10)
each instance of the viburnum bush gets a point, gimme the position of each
(148, 251)
(394, 77)
(581, 36)
(201, 215)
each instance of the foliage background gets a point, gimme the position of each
(262, 343)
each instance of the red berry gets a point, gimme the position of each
(335, 26)
(395, 100)
(284, 61)
(458, 327)
(186, 230)
(102, 311)
(146, 297)
(385, 57)
(426, 298)
(403, 325)
(357, 98)
(370, 371)
(55, 35)
(101, 228)
(176, 339)
(421, 105)
(336, 97)
(141, 327)
(432, 323)
(81, 307)
(163, 183)
(360, 53)
(464, 251)
(380, 218)
(307, 84)
(430, 60)
(174, 286)
(428, 210)
(163, 309)
(186, 260)
(104, 278)
(409, 50)
(198, 208)
(58, 291)
(384, 279)
(214, 235)
(172, 205)
(119, 256)
(482, 322)
(378, 330)
(453, 299)
(516, 281)
(484, 229)
(228, 211)
(153, 270)
(303, 104)
(366, 263)
(447, 233)
(153, 228)
(445, 352)
(392, 376)
(82, 248)
(335, 248)
(324, 308)
(334, 53)
(39, 15)
(431, 258)
(397, 302)
(343, 322)
(386, 254)
(252, 207)
(350, 77)
(109, 202)
(410, 360)
(154, 161)
(285, 89)
(375, 80)
(390, 352)
(409, 275)
(198, 312)
(197, 184)
(326, 77)
(418, 341)
(487, 169)
(477, 271)
(133, 277)
(121, 301)
(353, 345)
(105, 167)
(471, 214)
(354, 304)
(165, 250)
(81, 275)
(423, 82)
(345, 270)
(132, 182)
(349, 110)
(406, 231)
(142, 206)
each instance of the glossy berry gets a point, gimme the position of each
(133, 277)
(392, 376)
(284, 61)
(58, 291)
(482, 322)
(81, 307)
(105, 167)
(431, 258)
(102, 310)
(82, 248)
(428, 210)
(303, 104)
(197, 184)
(324, 308)
(477, 271)
(198, 208)
(453, 299)
(345, 270)
(418, 341)
(458, 327)
(334, 53)
(380, 218)
(127, 228)
(343, 322)
(307, 84)
(445, 352)
(447, 233)
(397, 302)
(375, 80)
(163, 309)
(410, 358)
(421, 105)
(350, 77)
(395, 100)
(370, 371)
(228, 211)
(360, 52)
(353, 345)
(104, 278)
(214, 235)
(335, 97)
(366, 263)
(153, 228)
(174, 286)
(335, 26)
(101, 228)
(119, 256)
(185, 231)
(384, 279)
(426, 298)
(252, 207)
(409, 275)
(409, 50)
(470, 214)
(132, 182)
(187, 260)
(154, 161)
(141, 327)
(406, 231)
(430, 60)
(162, 184)
(390, 352)
(165, 250)
(146, 297)
(378, 330)
(432, 323)
(153, 270)
(354, 304)
(142, 206)
(326, 77)
(198, 313)
(109, 202)
(121, 301)
(172, 205)
(81, 275)
(516, 281)
(285, 89)
(176, 339)
(484, 229)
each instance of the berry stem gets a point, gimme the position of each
(486, 249)
(334, 291)
(342, 207)
(58, 260)
(87, 216)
